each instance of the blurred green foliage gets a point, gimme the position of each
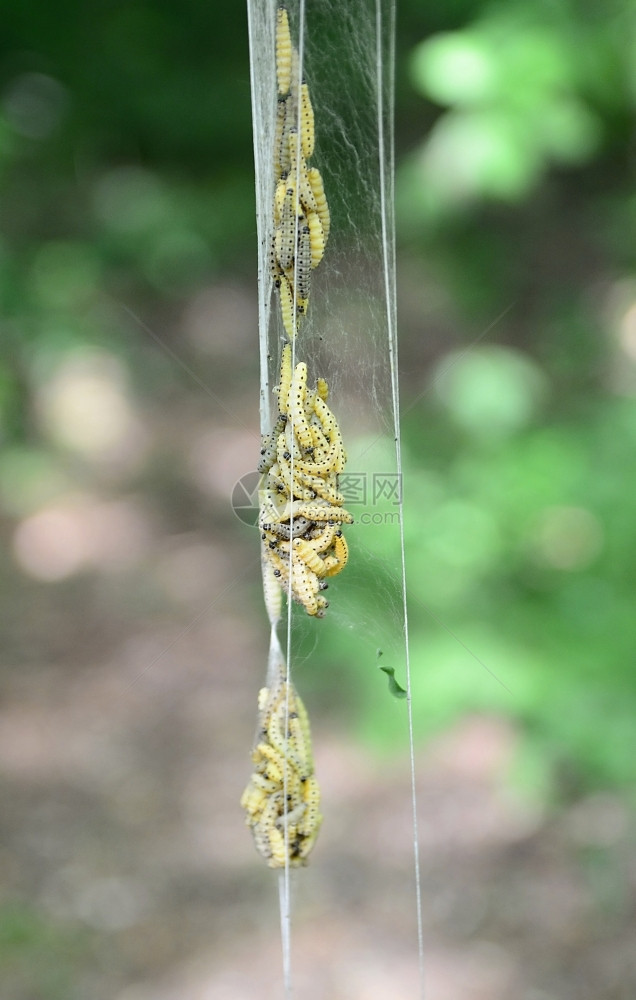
(521, 545)
(39, 956)
(126, 170)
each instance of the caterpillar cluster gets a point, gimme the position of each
(301, 508)
(282, 797)
(301, 213)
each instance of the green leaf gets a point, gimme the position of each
(396, 690)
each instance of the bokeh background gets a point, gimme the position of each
(133, 632)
